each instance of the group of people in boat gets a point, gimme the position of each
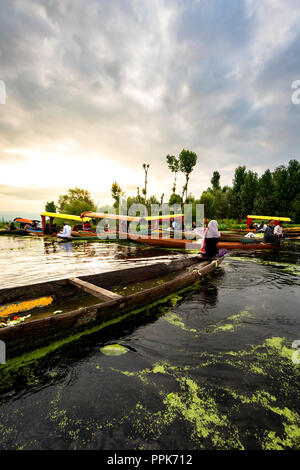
(34, 225)
(274, 233)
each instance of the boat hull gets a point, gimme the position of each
(30, 335)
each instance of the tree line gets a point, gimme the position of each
(274, 193)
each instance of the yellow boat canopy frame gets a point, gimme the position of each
(65, 216)
(54, 215)
(250, 218)
(128, 218)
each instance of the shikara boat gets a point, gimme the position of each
(17, 231)
(229, 244)
(246, 244)
(64, 307)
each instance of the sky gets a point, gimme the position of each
(92, 89)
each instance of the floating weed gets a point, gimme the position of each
(236, 320)
(176, 320)
(282, 265)
(114, 350)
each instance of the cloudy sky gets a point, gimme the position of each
(95, 88)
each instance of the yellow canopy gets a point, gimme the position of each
(129, 218)
(269, 217)
(66, 216)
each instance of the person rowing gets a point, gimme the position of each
(210, 241)
(269, 236)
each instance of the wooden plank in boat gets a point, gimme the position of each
(94, 290)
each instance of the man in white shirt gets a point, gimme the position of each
(278, 230)
(67, 231)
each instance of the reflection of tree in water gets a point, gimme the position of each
(50, 246)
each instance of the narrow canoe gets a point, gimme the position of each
(101, 293)
(242, 244)
(14, 232)
(192, 245)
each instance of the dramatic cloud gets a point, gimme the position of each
(96, 88)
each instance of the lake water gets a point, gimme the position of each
(218, 370)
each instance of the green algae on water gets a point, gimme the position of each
(114, 350)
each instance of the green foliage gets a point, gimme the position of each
(117, 193)
(173, 164)
(187, 161)
(50, 207)
(75, 202)
(215, 181)
(174, 199)
(275, 193)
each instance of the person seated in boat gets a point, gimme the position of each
(261, 228)
(252, 226)
(210, 240)
(28, 227)
(6, 226)
(47, 230)
(194, 225)
(106, 227)
(269, 236)
(12, 226)
(67, 231)
(174, 225)
(278, 230)
(87, 226)
(55, 228)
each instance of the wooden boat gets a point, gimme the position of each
(101, 295)
(18, 231)
(163, 242)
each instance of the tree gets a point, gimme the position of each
(174, 199)
(282, 190)
(173, 164)
(187, 161)
(265, 200)
(207, 198)
(238, 181)
(293, 170)
(116, 192)
(146, 168)
(215, 181)
(76, 201)
(50, 207)
(248, 193)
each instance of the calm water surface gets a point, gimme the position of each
(217, 370)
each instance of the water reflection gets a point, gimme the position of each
(25, 260)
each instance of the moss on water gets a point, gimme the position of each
(199, 408)
(184, 400)
(176, 320)
(236, 321)
(22, 368)
(114, 350)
